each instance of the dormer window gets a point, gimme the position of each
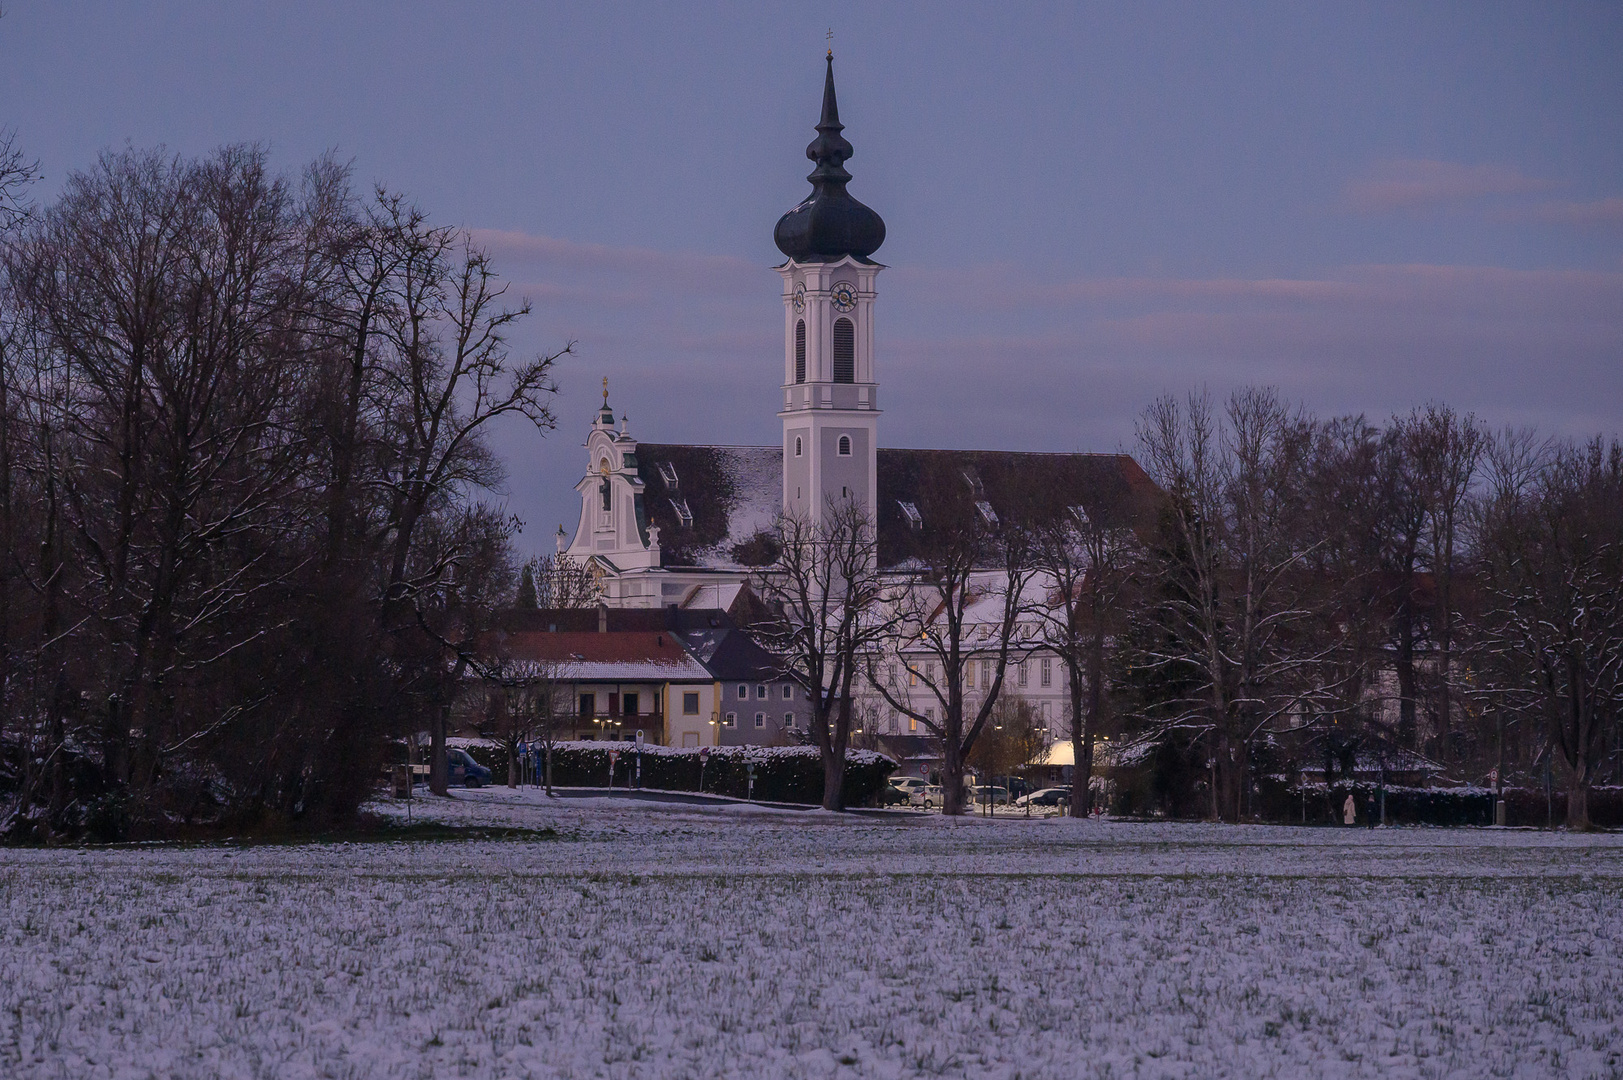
(988, 515)
(667, 473)
(1080, 515)
(973, 479)
(684, 516)
(911, 513)
(845, 446)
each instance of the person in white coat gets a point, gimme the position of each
(1349, 810)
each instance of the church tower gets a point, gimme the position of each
(830, 393)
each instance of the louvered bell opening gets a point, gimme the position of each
(800, 351)
(845, 351)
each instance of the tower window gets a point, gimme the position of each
(603, 493)
(800, 351)
(845, 443)
(845, 351)
(797, 446)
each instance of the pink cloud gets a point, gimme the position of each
(1597, 212)
(1409, 185)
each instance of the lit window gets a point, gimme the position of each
(969, 675)
(845, 351)
(912, 723)
(912, 676)
(1048, 671)
(731, 720)
(845, 446)
(690, 704)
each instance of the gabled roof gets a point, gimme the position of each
(733, 656)
(636, 655)
(733, 494)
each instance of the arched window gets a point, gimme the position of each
(797, 446)
(845, 443)
(845, 351)
(800, 351)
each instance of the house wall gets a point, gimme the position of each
(773, 731)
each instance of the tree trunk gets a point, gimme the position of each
(1578, 779)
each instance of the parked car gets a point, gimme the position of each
(909, 784)
(1051, 796)
(928, 796)
(996, 794)
(463, 770)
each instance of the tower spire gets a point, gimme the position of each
(830, 224)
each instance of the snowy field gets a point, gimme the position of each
(649, 941)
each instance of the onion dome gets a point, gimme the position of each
(830, 224)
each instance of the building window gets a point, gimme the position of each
(986, 674)
(788, 692)
(760, 719)
(845, 446)
(760, 692)
(969, 675)
(743, 692)
(588, 705)
(912, 675)
(800, 351)
(845, 351)
(629, 704)
(603, 493)
(690, 704)
(1022, 673)
(797, 446)
(789, 720)
(1047, 675)
(910, 511)
(730, 720)
(684, 516)
(667, 473)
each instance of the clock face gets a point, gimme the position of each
(844, 296)
(800, 298)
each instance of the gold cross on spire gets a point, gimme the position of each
(830, 36)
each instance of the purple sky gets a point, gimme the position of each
(1369, 206)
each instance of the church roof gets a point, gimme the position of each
(720, 510)
(829, 224)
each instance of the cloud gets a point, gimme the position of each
(1416, 184)
(1607, 212)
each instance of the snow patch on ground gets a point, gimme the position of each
(697, 940)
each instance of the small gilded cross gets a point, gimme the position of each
(605, 391)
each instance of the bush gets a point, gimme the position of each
(788, 774)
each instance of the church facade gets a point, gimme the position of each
(686, 526)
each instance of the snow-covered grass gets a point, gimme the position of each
(656, 941)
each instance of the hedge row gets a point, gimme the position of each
(1444, 806)
(788, 774)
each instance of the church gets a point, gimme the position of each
(669, 525)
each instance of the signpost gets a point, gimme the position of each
(614, 755)
(704, 756)
(639, 757)
(749, 773)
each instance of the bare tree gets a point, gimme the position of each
(1087, 568)
(1554, 625)
(960, 605)
(826, 599)
(1232, 598)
